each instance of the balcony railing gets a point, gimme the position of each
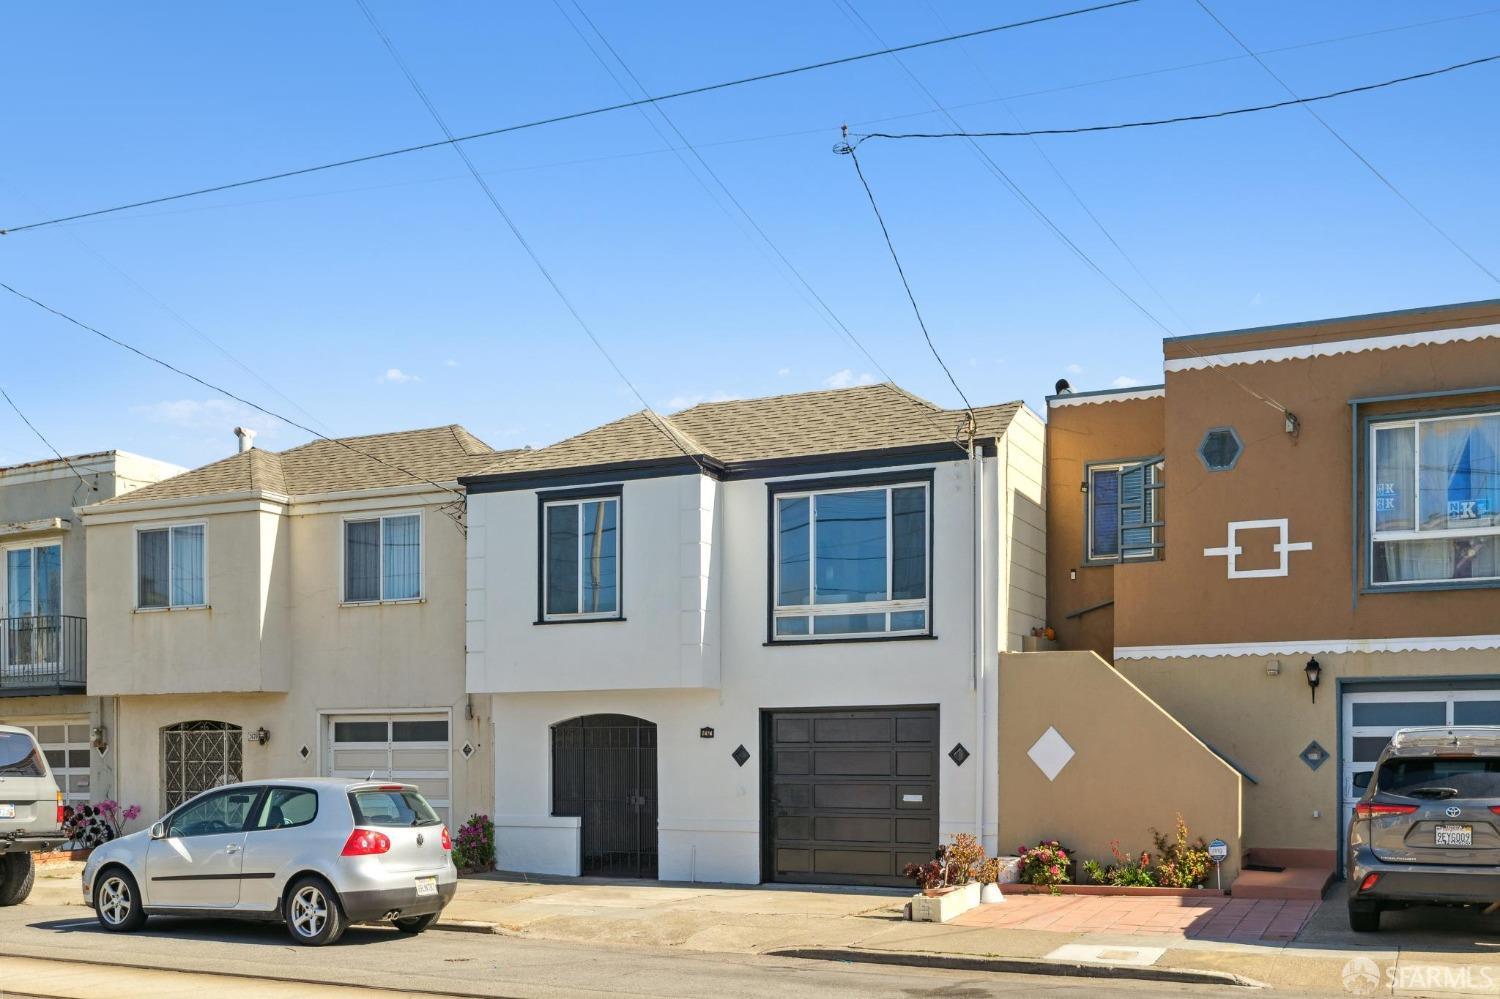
(44, 653)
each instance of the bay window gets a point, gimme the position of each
(1434, 500)
(851, 562)
(580, 558)
(383, 558)
(170, 567)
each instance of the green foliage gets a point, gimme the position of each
(1046, 863)
(1183, 863)
(474, 846)
(1125, 872)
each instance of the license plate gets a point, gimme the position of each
(426, 886)
(7, 811)
(1455, 835)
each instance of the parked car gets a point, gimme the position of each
(31, 812)
(315, 854)
(1427, 829)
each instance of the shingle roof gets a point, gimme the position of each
(866, 418)
(440, 454)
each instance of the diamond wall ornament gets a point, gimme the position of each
(741, 755)
(304, 752)
(468, 750)
(958, 754)
(1314, 755)
(1050, 753)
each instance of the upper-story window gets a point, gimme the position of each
(1434, 490)
(383, 558)
(170, 566)
(852, 562)
(581, 558)
(1123, 507)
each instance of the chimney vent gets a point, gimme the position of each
(246, 437)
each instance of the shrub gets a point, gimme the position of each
(474, 846)
(1046, 863)
(989, 871)
(928, 875)
(1183, 863)
(92, 825)
(1125, 872)
(964, 859)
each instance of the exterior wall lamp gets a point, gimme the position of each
(1314, 671)
(99, 738)
(260, 736)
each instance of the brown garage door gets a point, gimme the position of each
(851, 796)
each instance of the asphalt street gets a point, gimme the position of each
(440, 962)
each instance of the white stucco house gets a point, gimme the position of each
(755, 641)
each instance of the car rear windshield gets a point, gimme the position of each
(19, 756)
(1460, 777)
(388, 807)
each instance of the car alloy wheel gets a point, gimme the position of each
(115, 901)
(309, 911)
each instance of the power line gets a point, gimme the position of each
(1206, 116)
(1355, 152)
(854, 157)
(89, 485)
(228, 394)
(827, 312)
(572, 116)
(662, 424)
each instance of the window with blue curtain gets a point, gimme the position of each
(170, 570)
(383, 558)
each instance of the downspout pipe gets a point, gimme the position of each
(976, 483)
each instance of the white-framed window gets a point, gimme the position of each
(580, 558)
(852, 561)
(1123, 510)
(383, 558)
(170, 566)
(1433, 490)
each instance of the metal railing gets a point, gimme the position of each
(43, 651)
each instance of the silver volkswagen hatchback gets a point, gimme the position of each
(315, 854)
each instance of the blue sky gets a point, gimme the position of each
(389, 295)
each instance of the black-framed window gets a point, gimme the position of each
(580, 556)
(1122, 510)
(1433, 500)
(850, 561)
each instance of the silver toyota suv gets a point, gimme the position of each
(31, 812)
(314, 853)
(1427, 829)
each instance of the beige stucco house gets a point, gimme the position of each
(43, 648)
(292, 613)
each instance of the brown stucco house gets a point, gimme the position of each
(1293, 547)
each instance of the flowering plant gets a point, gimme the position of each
(1126, 872)
(474, 846)
(1184, 863)
(965, 857)
(90, 825)
(929, 875)
(1046, 863)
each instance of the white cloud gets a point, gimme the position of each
(1255, 299)
(206, 414)
(846, 378)
(397, 376)
(1074, 369)
(1125, 381)
(689, 400)
(450, 363)
(783, 372)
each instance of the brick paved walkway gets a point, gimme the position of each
(1242, 920)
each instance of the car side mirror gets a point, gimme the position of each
(159, 830)
(1362, 779)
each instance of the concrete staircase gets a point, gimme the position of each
(1304, 876)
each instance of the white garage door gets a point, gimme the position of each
(409, 747)
(1372, 717)
(65, 742)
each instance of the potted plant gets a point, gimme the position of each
(931, 878)
(988, 876)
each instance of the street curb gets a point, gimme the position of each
(467, 926)
(1015, 966)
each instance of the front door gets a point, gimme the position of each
(604, 771)
(198, 863)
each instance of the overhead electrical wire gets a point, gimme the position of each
(1432, 223)
(569, 116)
(823, 309)
(860, 137)
(661, 423)
(92, 487)
(231, 395)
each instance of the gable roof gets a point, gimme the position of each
(836, 421)
(439, 454)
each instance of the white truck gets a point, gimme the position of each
(31, 812)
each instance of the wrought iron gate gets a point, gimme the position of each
(604, 770)
(196, 756)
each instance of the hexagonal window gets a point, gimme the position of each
(1220, 449)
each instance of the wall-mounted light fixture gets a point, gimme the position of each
(260, 736)
(1314, 671)
(99, 738)
(1274, 668)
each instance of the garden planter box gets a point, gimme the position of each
(61, 856)
(1020, 889)
(941, 908)
(1010, 870)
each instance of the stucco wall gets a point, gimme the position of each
(1024, 520)
(1134, 766)
(709, 807)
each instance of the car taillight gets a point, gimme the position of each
(1369, 810)
(1369, 882)
(60, 816)
(447, 840)
(1495, 809)
(364, 842)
